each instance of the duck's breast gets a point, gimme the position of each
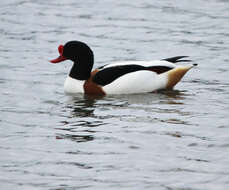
(72, 86)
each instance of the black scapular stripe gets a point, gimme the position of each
(108, 75)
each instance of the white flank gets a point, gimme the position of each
(140, 81)
(72, 86)
(137, 82)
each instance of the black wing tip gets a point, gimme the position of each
(177, 59)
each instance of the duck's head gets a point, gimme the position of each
(82, 56)
(74, 51)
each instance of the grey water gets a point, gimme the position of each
(170, 140)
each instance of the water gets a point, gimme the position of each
(173, 140)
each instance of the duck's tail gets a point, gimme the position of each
(176, 74)
(177, 59)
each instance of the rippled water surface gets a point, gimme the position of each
(172, 140)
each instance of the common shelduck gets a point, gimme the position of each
(128, 77)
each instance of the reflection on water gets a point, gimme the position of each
(76, 138)
(81, 107)
(79, 129)
(86, 113)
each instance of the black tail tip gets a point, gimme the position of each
(195, 64)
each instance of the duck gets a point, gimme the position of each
(128, 77)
